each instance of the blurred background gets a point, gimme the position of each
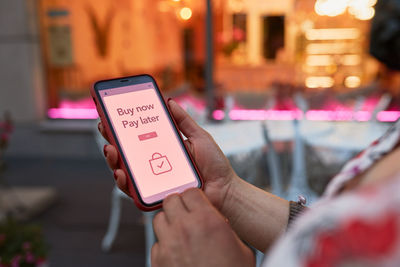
(289, 89)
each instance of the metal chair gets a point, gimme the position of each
(273, 164)
(382, 104)
(298, 180)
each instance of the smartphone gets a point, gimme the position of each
(151, 150)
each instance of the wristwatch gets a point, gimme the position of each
(296, 208)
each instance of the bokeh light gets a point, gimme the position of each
(361, 9)
(185, 13)
(352, 82)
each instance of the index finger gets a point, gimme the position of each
(194, 199)
(174, 207)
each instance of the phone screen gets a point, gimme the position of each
(150, 144)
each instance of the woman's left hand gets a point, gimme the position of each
(191, 232)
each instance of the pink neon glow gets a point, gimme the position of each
(388, 115)
(218, 115)
(80, 109)
(362, 115)
(329, 115)
(86, 103)
(333, 111)
(260, 114)
(72, 113)
(319, 115)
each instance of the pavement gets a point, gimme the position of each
(71, 162)
(64, 155)
(76, 222)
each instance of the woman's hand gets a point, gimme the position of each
(214, 167)
(191, 232)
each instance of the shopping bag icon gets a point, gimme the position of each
(159, 164)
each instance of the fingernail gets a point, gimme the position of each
(115, 174)
(105, 151)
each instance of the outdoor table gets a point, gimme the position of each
(349, 136)
(235, 137)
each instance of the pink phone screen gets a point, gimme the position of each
(151, 146)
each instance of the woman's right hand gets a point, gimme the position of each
(255, 215)
(214, 167)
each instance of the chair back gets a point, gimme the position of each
(273, 164)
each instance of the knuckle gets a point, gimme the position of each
(158, 217)
(170, 199)
(191, 192)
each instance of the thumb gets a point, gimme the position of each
(185, 123)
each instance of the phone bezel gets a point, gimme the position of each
(134, 80)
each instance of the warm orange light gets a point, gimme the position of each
(361, 9)
(319, 82)
(333, 34)
(351, 60)
(330, 8)
(365, 14)
(236, 5)
(328, 60)
(319, 60)
(307, 25)
(332, 48)
(352, 81)
(185, 13)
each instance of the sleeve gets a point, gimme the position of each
(355, 229)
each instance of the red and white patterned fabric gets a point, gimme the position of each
(360, 228)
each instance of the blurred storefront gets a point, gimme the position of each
(265, 52)
(304, 55)
(319, 49)
(318, 44)
(84, 41)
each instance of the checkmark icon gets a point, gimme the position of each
(159, 164)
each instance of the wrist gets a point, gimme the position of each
(230, 197)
